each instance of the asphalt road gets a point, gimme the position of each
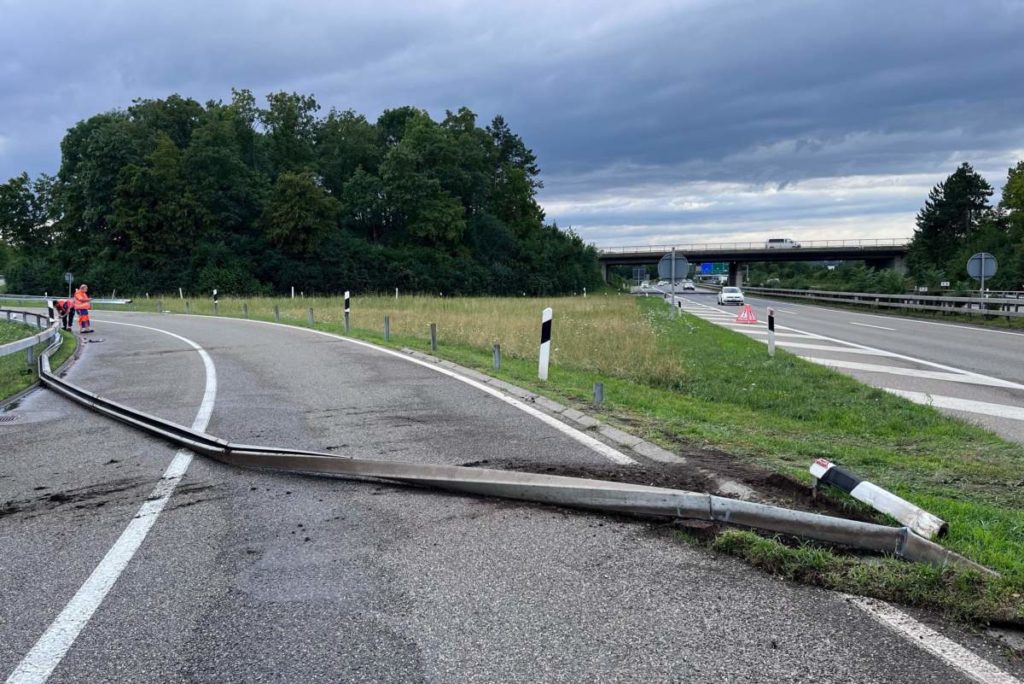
(251, 576)
(971, 372)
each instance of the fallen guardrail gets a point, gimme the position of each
(571, 492)
(52, 330)
(974, 306)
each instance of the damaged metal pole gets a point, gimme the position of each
(917, 519)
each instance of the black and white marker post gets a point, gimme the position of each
(348, 310)
(917, 519)
(771, 332)
(545, 344)
(216, 300)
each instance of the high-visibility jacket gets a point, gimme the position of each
(82, 300)
(64, 304)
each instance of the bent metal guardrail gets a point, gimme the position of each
(975, 306)
(52, 330)
(549, 489)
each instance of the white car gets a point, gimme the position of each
(688, 285)
(730, 295)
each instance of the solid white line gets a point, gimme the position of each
(876, 327)
(943, 648)
(52, 646)
(913, 372)
(581, 437)
(751, 330)
(957, 404)
(843, 350)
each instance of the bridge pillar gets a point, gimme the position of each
(896, 263)
(735, 274)
(604, 272)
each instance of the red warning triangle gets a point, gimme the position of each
(747, 315)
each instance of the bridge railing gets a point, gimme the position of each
(759, 245)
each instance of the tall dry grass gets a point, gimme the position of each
(603, 333)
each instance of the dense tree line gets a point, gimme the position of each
(958, 220)
(171, 193)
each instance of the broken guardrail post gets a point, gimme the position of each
(496, 356)
(916, 519)
(433, 337)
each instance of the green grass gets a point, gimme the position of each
(15, 373)
(685, 382)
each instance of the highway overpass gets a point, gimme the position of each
(880, 253)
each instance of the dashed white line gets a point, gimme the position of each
(50, 649)
(956, 404)
(947, 650)
(876, 327)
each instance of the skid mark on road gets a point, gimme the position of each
(53, 645)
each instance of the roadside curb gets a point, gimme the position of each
(620, 438)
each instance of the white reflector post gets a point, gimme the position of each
(545, 344)
(348, 307)
(917, 519)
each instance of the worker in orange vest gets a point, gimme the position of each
(66, 312)
(83, 302)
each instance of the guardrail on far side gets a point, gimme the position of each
(974, 306)
(52, 329)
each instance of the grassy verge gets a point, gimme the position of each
(685, 382)
(15, 373)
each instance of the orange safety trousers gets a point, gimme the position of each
(83, 319)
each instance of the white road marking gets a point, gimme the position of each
(943, 648)
(581, 437)
(53, 645)
(913, 372)
(843, 350)
(751, 330)
(956, 404)
(876, 327)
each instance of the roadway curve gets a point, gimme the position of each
(250, 576)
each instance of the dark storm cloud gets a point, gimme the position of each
(629, 106)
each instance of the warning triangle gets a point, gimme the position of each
(747, 315)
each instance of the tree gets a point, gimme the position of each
(291, 128)
(299, 214)
(25, 213)
(952, 214)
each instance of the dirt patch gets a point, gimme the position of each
(702, 473)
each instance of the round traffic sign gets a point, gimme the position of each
(68, 278)
(982, 265)
(665, 266)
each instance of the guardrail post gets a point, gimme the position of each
(387, 328)
(245, 309)
(598, 393)
(309, 316)
(159, 306)
(216, 308)
(30, 355)
(188, 307)
(496, 354)
(277, 313)
(433, 337)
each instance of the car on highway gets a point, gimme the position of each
(780, 243)
(688, 285)
(730, 295)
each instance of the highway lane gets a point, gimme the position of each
(251, 576)
(973, 373)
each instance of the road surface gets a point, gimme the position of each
(249, 576)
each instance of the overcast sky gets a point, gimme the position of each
(653, 122)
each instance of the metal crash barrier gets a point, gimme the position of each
(52, 329)
(571, 492)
